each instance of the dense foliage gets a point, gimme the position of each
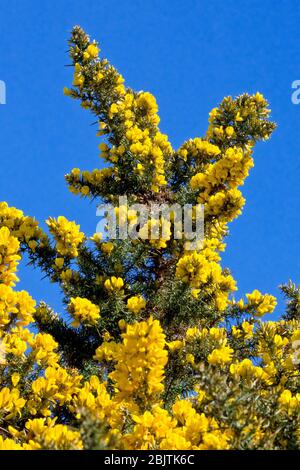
(153, 350)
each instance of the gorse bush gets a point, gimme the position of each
(153, 350)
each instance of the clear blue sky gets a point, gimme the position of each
(190, 54)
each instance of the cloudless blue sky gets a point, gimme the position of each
(189, 54)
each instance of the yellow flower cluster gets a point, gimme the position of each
(81, 181)
(193, 269)
(9, 444)
(245, 330)
(226, 205)
(147, 145)
(57, 386)
(91, 52)
(10, 402)
(16, 308)
(217, 185)
(183, 429)
(160, 231)
(140, 361)
(43, 433)
(220, 356)
(24, 351)
(230, 170)
(201, 270)
(9, 257)
(114, 284)
(83, 311)
(250, 111)
(107, 247)
(43, 348)
(46, 434)
(24, 228)
(289, 401)
(218, 347)
(199, 150)
(261, 303)
(67, 236)
(247, 370)
(94, 397)
(136, 303)
(78, 76)
(141, 144)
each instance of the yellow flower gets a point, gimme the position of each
(247, 370)
(113, 109)
(122, 324)
(9, 257)
(190, 359)
(67, 91)
(175, 345)
(289, 401)
(192, 333)
(107, 247)
(238, 117)
(136, 303)
(103, 147)
(59, 262)
(220, 356)
(114, 284)
(261, 303)
(229, 131)
(143, 350)
(10, 402)
(195, 293)
(83, 311)
(67, 236)
(9, 444)
(91, 52)
(193, 269)
(15, 378)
